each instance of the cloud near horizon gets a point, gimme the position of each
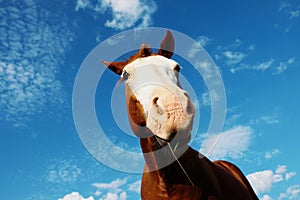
(115, 190)
(75, 196)
(263, 181)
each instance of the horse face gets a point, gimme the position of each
(156, 99)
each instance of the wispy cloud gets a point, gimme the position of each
(283, 66)
(294, 14)
(271, 64)
(205, 99)
(262, 181)
(232, 58)
(232, 119)
(63, 172)
(31, 55)
(251, 47)
(270, 154)
(260, 66)
(293, 11)
(82, 4)
(208, 70)
(267, 119)
(236, 57)
(289, 11)
(230, 54)
(228, 144)
(124, 14)
(112, 185)
(204, 40)
(283, 5)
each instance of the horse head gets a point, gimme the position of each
(156, 103)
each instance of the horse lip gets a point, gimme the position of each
(162, 142)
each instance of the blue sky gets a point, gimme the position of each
(255, 45)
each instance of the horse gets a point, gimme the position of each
(161, 114)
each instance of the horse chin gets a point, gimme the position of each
(176, 142)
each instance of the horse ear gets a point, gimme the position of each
(116, 67)
(167, 45)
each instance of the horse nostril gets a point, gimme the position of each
(154, 101)
(156, 108)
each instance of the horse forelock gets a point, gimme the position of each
(144, 51)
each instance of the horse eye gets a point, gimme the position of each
(125, 75)
(177, 68)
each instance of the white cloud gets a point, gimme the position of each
(110, 196)
(75, 196)
(262, 181)
(135, 186)
(289, 175)
(123, 195)
(31, 55)
(292, 192)
(281, 169)
(125, 14)
(115, 190)
(231, 143)
(114, 196)
(97, 193)
(266, 197)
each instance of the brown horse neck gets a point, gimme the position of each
(169, 176)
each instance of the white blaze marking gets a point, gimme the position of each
(152, 77)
